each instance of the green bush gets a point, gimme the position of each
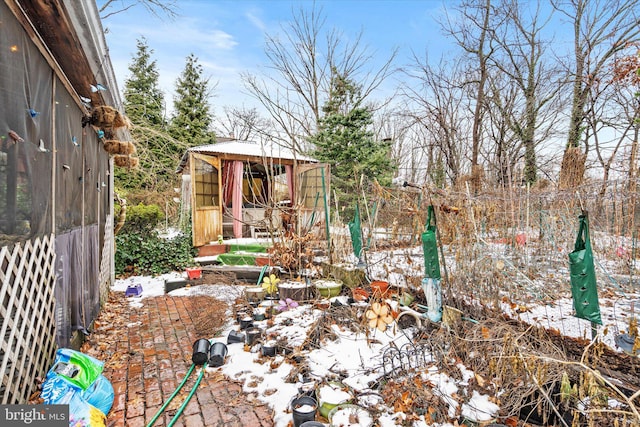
(142, 218)
(146, 253)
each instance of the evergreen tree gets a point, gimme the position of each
(144, 101)
(345, 141)
(191, 121)
(153, 180)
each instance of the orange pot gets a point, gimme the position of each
(194, 272)
(261, 261)
(359, 294)
(379, 288)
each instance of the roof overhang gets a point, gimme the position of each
(247, 151)
(72, 34)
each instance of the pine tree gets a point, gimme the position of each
(144, 101)
(191, 121)
(158, 152)
(345, 141)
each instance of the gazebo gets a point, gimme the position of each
(246, 189)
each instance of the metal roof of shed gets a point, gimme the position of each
(246, 148)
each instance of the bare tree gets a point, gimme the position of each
(521, 58)
(302, 64)
(501, 128)
(244, 124)
(471, 28)
(614, 121)
(440, 104)
(408, 153)
(158, 8)
(601, 29)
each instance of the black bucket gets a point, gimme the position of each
(200, 351)
(217, 353)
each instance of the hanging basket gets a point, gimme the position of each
(113, 146)
(125, 161)
(104, 116)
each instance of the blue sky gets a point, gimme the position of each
(228, 36)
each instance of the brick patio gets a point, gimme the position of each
(147, 352)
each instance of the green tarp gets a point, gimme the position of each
(583, 276)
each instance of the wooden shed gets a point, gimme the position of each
(246, 189)
(56, 180)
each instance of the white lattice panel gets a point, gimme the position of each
(106, 260)
(27, 344)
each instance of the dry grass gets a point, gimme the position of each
(209, 315)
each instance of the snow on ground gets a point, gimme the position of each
(359, 354)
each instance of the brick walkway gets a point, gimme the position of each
(147, 352)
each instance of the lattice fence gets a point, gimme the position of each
(27, 347)
(106, 261)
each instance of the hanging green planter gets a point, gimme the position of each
(430, 246)
(583, 276)
(431, 282)
(356, 234)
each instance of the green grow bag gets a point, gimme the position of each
(583, 276)
(430, 246)
(356, 233)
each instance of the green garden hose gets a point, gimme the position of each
(191, 393)
(182, 383)
(177, 390)
(264, 269)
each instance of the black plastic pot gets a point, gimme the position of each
(200, 351)
(307, 388)
(217, 353)
(303, 409)
(269, 349)
(312, 424)
(246, 322)
(253, 335)
(235, 336)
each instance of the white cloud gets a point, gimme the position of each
(255, 20)
(222, 40)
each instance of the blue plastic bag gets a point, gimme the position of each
(76, 376)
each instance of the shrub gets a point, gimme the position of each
(142, 218)
(145, 252)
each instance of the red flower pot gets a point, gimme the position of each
(379, 288)
(359, 294)
(193, 272)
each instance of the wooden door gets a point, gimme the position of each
(312, 192)
(206, 195)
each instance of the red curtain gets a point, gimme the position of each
(227, 183)
(237, 198)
